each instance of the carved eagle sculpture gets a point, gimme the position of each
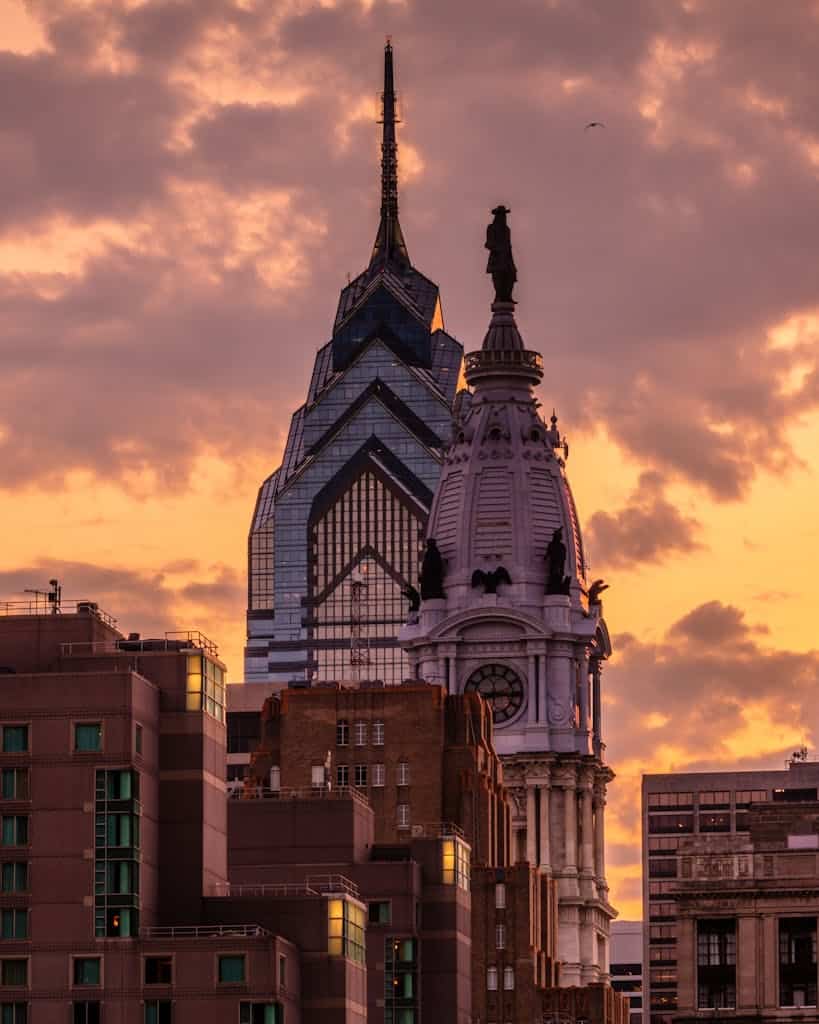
(595, 590)
(412, 595)
(490, 580)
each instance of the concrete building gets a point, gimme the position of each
(516, 620)
(696, 806)
(747, 907)
(627, 965)
(337, 530)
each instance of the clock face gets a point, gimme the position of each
(501, 687)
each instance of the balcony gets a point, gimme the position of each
(317, 793)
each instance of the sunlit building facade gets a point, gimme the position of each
(338, 528)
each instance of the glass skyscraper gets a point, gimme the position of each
(337, 532)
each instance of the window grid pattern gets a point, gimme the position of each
(261, 551)
(368, 529)
(400, 981)
(116, 866)
(346, 929)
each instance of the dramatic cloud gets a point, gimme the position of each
(648, 529)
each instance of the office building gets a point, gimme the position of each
(627, 965)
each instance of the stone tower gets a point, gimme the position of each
(516, 619)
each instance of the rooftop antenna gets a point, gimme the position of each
(55, 596)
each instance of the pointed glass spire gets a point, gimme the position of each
(390, 246)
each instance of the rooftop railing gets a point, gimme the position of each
(206, 931)
(178, 640)
(41, 606)
(313, 793)
(313, 885)
(485, 359)
(436, 830)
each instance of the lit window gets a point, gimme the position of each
(14, 973)
(342, 775)
(158, 1011)
(15, 830)
(360, 775)
(342, 733)
(509, 978)
(122, 923)
(500, 895)
(500, 936)
(378, 734)
(231, 969)
(87, 970)
(403, 773)
(455, 862)
(345, 922)
(378, 775)
(492, 979)
(403, 815)
(15, 739)
(88, 737)
(360, 734)
(15, 784)
(14, 924)
(14, 876)
(205, 686)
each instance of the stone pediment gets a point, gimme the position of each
(488, 623)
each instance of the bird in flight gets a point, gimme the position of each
(594, 124)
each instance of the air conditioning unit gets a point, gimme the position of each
(417, 830)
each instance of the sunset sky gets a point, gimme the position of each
(185, 186)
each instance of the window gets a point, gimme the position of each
(15, 830)
(122, 785)
(719, 821)
(317, 776)
(360, 734)
(14, 972)
(378, 734)
(500, 936)
(260, 1013)
(455, 862)
(88, 737)
(509, 978)
(662, 867)
(400, 981)
(500, 895)
(15, 739)
(342, 775)
(342, 732)
(15, 784)
(360, 775)
(138, 738)
(662, 911)
(87, 970)
(492, 979)
(14, 876)
(746, 797)
(14, 1013)
(679, 823)
(716, 963)
(158, 1011)
(122, 923)
(231, 969)
(282, 971)
(85, 1013)
(345, 922)
(797, 961)
(14, 924)
(403, 812)
(122, 830)
(243, 731)
(715, 798)
(403, 773)
(670, 800)
(158, 970)
(206, 686)
(275, 779)
(664, 933)
(379, 912)
(378, 775)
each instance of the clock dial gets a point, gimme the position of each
(501, 687)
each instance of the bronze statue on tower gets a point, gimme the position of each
(500, 264)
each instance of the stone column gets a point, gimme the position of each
(582, 677)
(600, 838)
(543, 688)
(570, 825)
(531, 706)
(545, 851)
(531, 853)
(561, 705)
(586, 829)
(596, 718)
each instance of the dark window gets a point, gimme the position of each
(231, 969)
(791, 796)
(662, 867)
(15, 876)
(716, 963)
(13, 972)
(797, 961)
(677, 823)
(342, 775)
(14, 924)
(138, 739)
(14, 1013)
(626, 986)
(15, 784)
(15, 739)
(261, 1013)
(15, 830)
(401, 980)
(87, 970)
(342, 733)
(715, 821)
(243, 731)
(621, 969)
(158, 1011)
(158, 970)
(379, 912)
(88, 737)
(86, 1013)
(282, 971)
(360, 775)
